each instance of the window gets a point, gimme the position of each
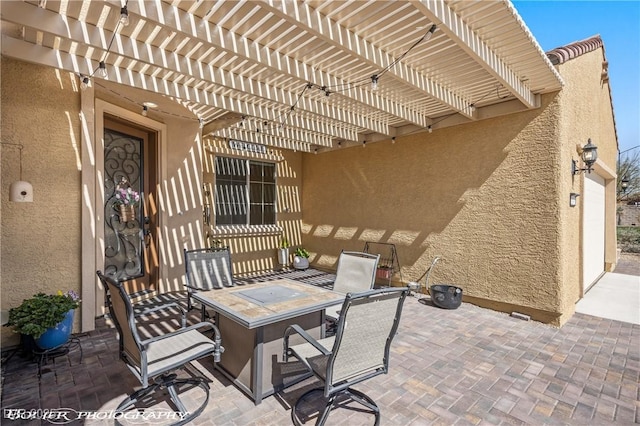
(245, 192)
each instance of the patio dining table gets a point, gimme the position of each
(252, 319)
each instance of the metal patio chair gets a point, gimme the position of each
(207, 269)
(156, 359)
(358, 351)
(356, 272)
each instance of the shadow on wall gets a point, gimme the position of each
(409, 193)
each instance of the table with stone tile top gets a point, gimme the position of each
(252, 319)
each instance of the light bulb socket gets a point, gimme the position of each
(124, 16)
(84, 82)
(102, 69)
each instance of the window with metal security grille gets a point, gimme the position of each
(245, 192)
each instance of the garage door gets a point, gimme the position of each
(593, 229)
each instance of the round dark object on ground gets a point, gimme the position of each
(446, 296)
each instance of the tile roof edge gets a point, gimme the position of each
(562, 54)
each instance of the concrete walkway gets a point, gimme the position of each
(616, 295)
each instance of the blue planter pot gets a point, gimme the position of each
(57, 335)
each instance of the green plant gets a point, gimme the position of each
(301, 252)
(629, 239)
(284, 243)
(42, 311)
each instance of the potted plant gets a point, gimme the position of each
(126, 201)
(384, 271)
(283, 252)
(45, 318)
(301, 258)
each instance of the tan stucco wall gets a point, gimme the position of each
(491, 198)
(40, 245)
(483, 196)
(587, 113)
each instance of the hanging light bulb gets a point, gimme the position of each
(145, 110)
(364, 144)
(124, 16)
(102, 69)
(374, 82)
(429, 34)
(393, 140)
(20, 191)
(429, 129)
(84, 83)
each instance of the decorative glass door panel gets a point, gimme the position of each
(123, 230)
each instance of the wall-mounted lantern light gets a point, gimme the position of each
(589, 157)
(624, 184)
(573, 199)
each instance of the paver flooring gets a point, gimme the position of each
(464, 366)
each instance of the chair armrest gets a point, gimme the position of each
(295, 328)
(219, 349)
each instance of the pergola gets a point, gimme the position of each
(295, 74)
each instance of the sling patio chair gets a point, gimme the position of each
(357, 352)
(356, 272)
(207, 269)
(155, 359)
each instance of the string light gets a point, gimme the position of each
(393, 140)
(145, 110)
(84, 82)
(124, 16)
(102, 69)
(374, 82)
(429, 129)
(348, 86)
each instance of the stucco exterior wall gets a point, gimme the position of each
(585, 103)
(40, 243)
(483, 196)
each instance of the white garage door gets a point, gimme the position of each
(593, 229)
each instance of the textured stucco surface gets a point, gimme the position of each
(481, 196)
(490, 198)
(587, 113)
(40, 246)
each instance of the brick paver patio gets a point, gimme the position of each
(464, 366)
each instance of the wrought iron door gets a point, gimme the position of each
(124, 242)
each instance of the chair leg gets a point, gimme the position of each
(186, 415)
(355, 395)
(170, 383)
(138, 395)
(294, 410)
(366, 401)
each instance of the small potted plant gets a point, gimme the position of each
(384, 271)
(126, 201)
(283, 252)
(301, 258)
(45, 318)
